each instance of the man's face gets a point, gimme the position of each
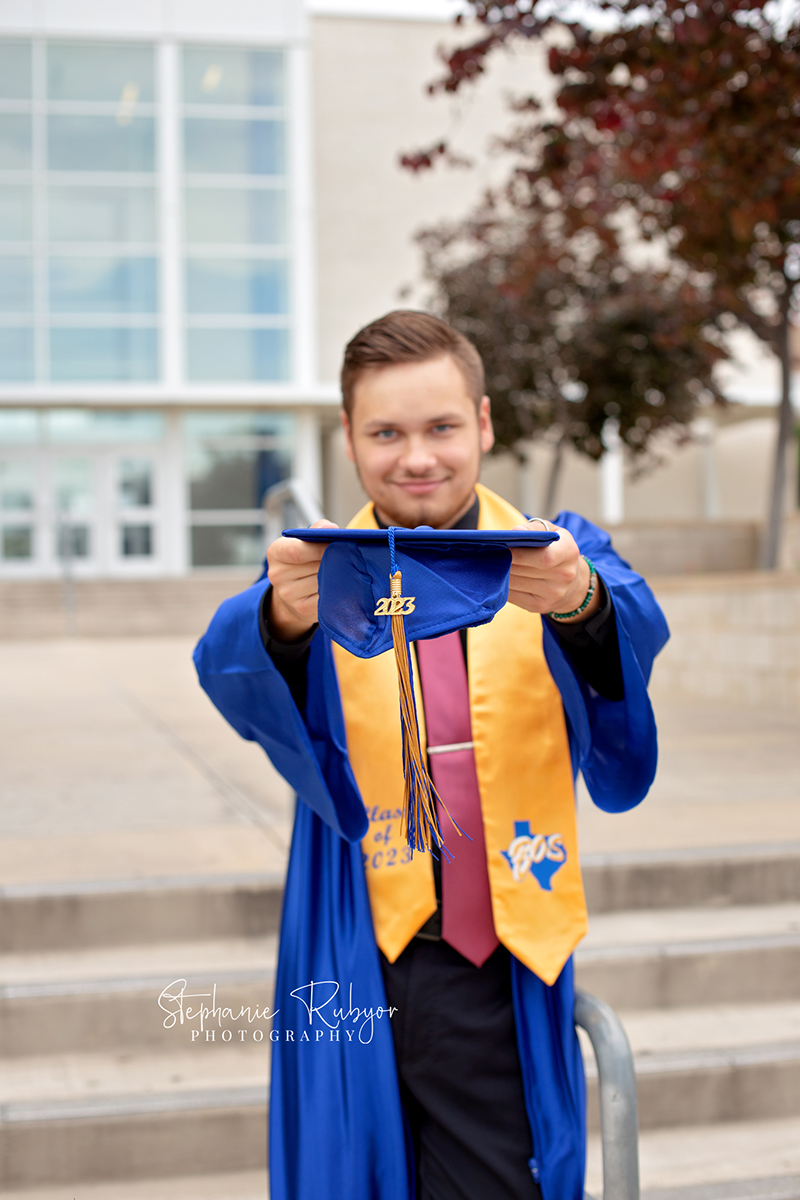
(417, 439)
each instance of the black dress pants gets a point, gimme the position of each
(460, 1077)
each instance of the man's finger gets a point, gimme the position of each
(296, 551)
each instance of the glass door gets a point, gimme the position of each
(19, 540)
(137, 535)
(73, 504)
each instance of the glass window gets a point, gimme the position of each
(72, 485)
(99, 284)
(234, 147)
(105, 355)
(17, 541)
(237, 216)
(18, 426)
(275, 426)
(15, 213)
(212, 75)
(15, 70)
(73, 541)
(16, 283)
(99, 71)
(233, 478)
(238, 355)
(17, 485)
(136, 541)
(105, 426)
(102, 214)
(237, 285)
(15, 141)
(100, 143)
(135, 483)
(227, 545)
(16, 354)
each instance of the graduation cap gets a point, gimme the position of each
(450, 578)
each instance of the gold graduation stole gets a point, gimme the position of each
(524, 774)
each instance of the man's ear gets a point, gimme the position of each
(485, 424)
(348, 435)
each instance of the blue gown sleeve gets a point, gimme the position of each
(240, 678)
(613, 741)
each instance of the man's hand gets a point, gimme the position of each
(293, 566)
(552, 579)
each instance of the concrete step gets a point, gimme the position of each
(35, 918)
(692, 878)
(116, 607)
(90, 1117)
(221, 1131)
(38, 917)
(107, 999)
(236, 1185)
(742, 1160)
(734, 1062)
(673, 957)
(777, 1187)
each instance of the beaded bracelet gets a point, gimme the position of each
(576, 612)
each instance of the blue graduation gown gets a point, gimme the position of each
(336, 1121)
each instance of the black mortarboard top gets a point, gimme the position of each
(380, 588)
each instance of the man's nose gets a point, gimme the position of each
(417, 457)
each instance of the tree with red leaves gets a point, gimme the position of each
(684, 123)
(570, 334)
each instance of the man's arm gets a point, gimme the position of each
(290, 658)
(614, 743)
(307, 748)
(592, 647)
(558, 579)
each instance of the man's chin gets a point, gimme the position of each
(410, 511)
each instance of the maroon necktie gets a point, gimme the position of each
(467, 923)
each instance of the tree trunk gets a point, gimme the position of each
(772, 540)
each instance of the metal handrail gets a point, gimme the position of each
(287, 495)
(619, 1117)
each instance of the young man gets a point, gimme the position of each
(438, 1055)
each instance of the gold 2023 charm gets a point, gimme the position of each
(395, 605)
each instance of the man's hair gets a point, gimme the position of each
(407, 336)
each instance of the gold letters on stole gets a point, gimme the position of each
(524, 774)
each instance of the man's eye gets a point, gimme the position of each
(442, 428)
(385, 435)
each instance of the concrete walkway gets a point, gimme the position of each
(116, 766)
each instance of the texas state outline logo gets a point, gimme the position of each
(540, 853)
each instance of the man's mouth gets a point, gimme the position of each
(418, 487)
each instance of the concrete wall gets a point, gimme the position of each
(370, 104)
(734, 638)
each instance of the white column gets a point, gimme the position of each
(304, 306)
(169, 204)
(172, 505)
(528, 497)
(41, 288)
(612, 493)
(308, 453)
(706, 434)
